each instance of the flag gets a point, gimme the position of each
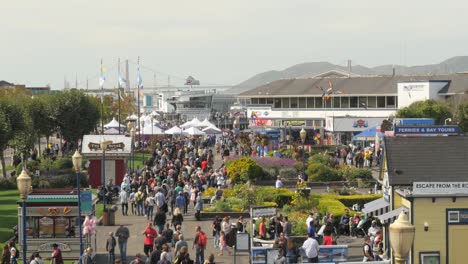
(102, 79)
(139, 81)
(122, 80)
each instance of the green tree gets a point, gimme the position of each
(75, 114)
(426, 109)
(461, 116)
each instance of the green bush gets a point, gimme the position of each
(32, 166)
(244, 169)
(350, 200)
(330, 205)
(270, 172)
(8, 183)
(323, 159)
(63, 163)
(321, 172)
(68, 181)
(351, 173)
(288, 173)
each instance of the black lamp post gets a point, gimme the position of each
(77, 161)
(24, 184)
(303, 135)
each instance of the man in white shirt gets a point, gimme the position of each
(309, 219)
(311, 248)
(279, 183)
(124, 200)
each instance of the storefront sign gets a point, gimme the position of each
(86, 202)
(427, 130)
(49, 247)
(352, 124)
(261, 122)
(440, 188)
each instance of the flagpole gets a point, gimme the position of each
(119, 94)
(102, 103)
(138, 96)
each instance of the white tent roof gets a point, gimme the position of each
(186, 124)
(113, 123)
(193, 131)
(173, 131)
(111, 131)
(148, 130)
(195, 122)
(132, 117)
(205, 123)
(154, 113)
(212, 130)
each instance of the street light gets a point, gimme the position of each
(24, 184)
(401, 238)
(103, 176)
(142, 145)
(303, 135)
(132, 135)
(77, 161)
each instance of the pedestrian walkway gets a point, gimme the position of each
(136, 225)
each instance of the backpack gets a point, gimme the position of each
(139, 196)
(202, 239)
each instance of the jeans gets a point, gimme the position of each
(124, 208)
(111, 257)
(123, 250)
(216, 240)
(160, 228)
(149, 212)
(140, 208)
(199, 256)
(133, 208)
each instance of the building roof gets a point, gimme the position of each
(412, 159)
(458, 83)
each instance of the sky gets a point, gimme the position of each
(218, 42)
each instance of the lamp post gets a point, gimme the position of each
(24, 183)
(401, 238)
(303, 135)
(77, 161)
(132, 135)
(142, 145)
(103, 171)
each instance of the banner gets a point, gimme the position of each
(427, 130)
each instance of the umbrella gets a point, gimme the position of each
(212, 130)
(173, 131)
(193, 131)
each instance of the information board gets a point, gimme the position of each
(427, 130)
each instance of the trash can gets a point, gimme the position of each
(108, 217)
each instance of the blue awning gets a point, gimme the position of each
(368, 135)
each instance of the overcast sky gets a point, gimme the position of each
(217, 41)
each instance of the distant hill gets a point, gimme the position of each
(309, 69)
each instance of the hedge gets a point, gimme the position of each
(350, 200)
(244, 169)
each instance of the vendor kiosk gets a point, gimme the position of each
(52, 217)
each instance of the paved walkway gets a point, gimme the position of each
(136, 225)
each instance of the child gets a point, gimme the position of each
(222, 244)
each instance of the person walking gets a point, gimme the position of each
(123, 233)
(159, 220)
(56, 255)
(149, 202)
(137, 259)
(198, 206)
(87, 257)
(311, 248)
(223, 244)
(216, 225)
(110, 248)
(180, 244)
(177, 218)
(199, 244)
(139, 202)
(367, 249)
(36, 259)
(149, 233)
(180, 202)
(123, 195)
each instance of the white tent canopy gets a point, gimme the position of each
(206, 123)
(112, 124)
(175, 130)
(195, 122)
(186, 124)
(132, 117)
(154, 114)
(154, 130)
(111, 131)
(212, 130)
(193, 131)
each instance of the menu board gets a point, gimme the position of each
(46, 227)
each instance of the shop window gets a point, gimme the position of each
(353, 102)
(285, 102)
(269, 101)
(294, 103)
(277, 103)
(261, 100)
(371, 102)
(52, 227)
(362, 102)
(391, 102)
(254, 101)
(318, 102)
(336, 102)
(328, 103)
(310, 102)
(345, 102)
(380, 101)
(302, 102)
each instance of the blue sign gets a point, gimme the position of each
(415, 122)
(333, 254)
(427, 130)
(86, 201)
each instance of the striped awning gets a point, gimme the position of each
(391, 216)
(376, 207)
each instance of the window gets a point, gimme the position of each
(51, 227)
(310, 102)
(261, 101)
(380, 101)
(336, 102)
(277, 103)
(328, 102)
(285, 102)
(269, 101)
(294, 103)
(391, 102)
(318, 102)
(353, 102)
(344, 102)
(254, 101)
(362, 102)
(302, 102)
(371, 102)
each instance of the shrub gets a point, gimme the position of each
(68, 181)
(351, 173)
(210, 192)
(321, 172)
(8, 183)
(32, 166)
(63, 163)
(270, 172)
(323, 159)
(299, 227)
(350, 200)
(330, 205)
(288, 173)
(244, 169)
